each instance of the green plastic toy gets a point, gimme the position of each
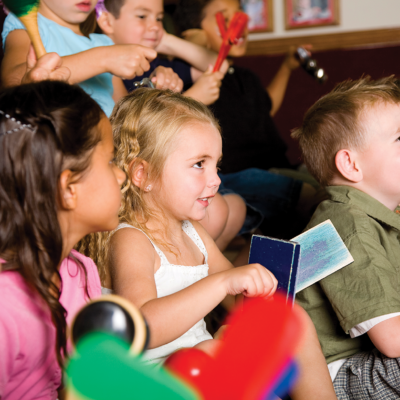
(102, 369)
(26, 11)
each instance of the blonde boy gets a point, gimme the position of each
(350, 140)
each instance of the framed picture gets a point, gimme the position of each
(310, 13)
(260, 15)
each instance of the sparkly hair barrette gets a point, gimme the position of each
(19, 125)
(100, 8)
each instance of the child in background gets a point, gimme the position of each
(55, 164)
(160, 257)
(350, 142)
(251, 142)
(92, 59)
(140, 22)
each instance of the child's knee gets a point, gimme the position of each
(237, 207)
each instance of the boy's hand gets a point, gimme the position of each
(252, 280)
(166, 78)
(47, 67)
(290, 60)
(128, 60)
(206, 89)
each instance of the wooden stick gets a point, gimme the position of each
(31, 25)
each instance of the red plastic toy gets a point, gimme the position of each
(256, 355)
(231, 35)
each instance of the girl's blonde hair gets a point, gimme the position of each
(145, 125)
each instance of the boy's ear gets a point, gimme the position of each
(67, 191)
(347, 164)
(196, 36)
(139, 175)
(105, 22)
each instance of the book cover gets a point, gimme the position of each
(281, 257)
(304, 260)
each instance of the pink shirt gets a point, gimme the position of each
(28, 362)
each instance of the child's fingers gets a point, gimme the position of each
(160, 80)
(149, 54)
(179, 86)
(31, 58)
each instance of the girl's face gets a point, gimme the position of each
(67, 13)
(99, 196)
(210, 27)
(190, 180)
(139, 22)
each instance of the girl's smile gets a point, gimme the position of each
(206, 201)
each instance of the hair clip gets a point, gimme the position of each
(145, 82)
(20, 125)
(100, 8)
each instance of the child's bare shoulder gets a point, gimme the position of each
(133, 241)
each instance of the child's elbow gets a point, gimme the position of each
(385, 337)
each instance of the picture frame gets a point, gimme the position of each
(260, 13)
(311, 13)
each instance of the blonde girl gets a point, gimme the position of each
(160, 257)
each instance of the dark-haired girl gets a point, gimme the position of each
(57, 184)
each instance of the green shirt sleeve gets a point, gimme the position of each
(367, 288)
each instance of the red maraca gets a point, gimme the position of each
(231, 35)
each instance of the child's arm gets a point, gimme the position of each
(197, 56)
(119, 89)
(277, 88)
(314, 381)
(125, 61)
(132, 262)
(385, 337)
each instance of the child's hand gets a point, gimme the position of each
(206, 88)
(166, 78)
(291, 61)
(128, 60)
(252, 280)
(47, 67)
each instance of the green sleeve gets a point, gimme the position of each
(367, 288)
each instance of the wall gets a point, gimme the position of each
(354, 15)
(362, 22)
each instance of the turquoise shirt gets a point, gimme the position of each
(62, 40)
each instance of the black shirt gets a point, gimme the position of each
(250, 137)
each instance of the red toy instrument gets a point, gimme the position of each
(231, 35)
(255, 359)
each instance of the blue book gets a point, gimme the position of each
(322, 252)
(281, 257)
